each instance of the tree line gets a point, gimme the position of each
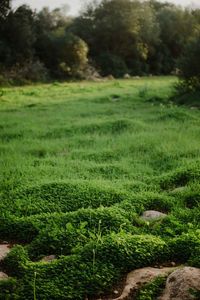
(112, 36)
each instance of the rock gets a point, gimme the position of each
(181, 188)
(93, 78)
(4, 250)
(127, 76)
(136, 77)
(194, 108)
(110, 77)
(137, 277)
(179, 283)
(48, 259)
(3, 276)
(152, 215)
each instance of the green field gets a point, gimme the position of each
(80, 162)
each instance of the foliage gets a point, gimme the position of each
(112, 64)
(117, 36)
(189, 68)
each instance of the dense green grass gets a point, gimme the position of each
(79, 163)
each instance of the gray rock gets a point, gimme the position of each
(179, 283)
(152, 215)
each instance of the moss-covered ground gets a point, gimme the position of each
(79, 163)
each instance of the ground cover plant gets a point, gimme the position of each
(80, 162)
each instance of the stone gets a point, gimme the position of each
(48, 259)
(136, 278)
(194, 108)
(3, 276)
(149, 215)
(179, 283)
(4, 250)
(127, 76)
(179, 189)
(110, 77)
(93, 78)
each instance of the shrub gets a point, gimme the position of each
(112, 64)
(26, 73)
(189, 65)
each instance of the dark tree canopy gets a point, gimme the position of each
(117, 36)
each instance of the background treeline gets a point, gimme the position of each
(112, 36)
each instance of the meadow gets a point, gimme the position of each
(80, 162)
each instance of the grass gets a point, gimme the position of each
(76, 155)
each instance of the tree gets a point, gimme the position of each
(176, 27)
(63, 53)
(189, 65)
(19, 35)
(122, 28)
(47, 20)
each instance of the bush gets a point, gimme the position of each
(112, 64)
(189, 65)
(23, 74)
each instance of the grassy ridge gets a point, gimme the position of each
(79, 163)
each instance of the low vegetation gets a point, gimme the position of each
(80, 163)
